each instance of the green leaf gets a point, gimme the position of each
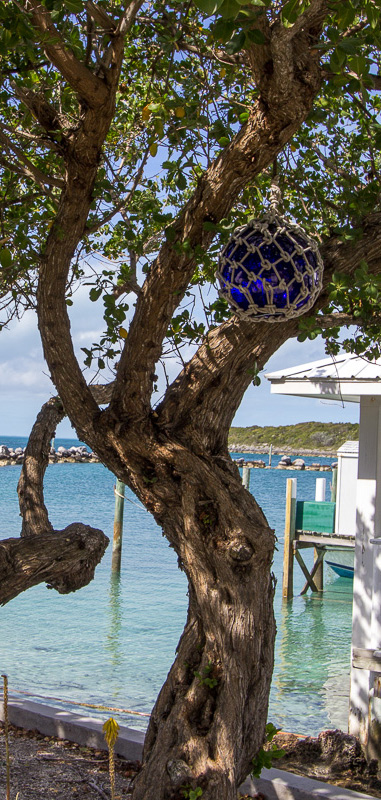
(359, 65)
(290, 11)
(74, 6)
(224, 141)
(5, 257)
(223, 30)
(256, 36)
(159, 126)
(170, 234)
(337, 60)
(181, 181)
(349, 45)
(345, 15)
(229, 9)
(94, 293)
(271, 731)
(208, 7)
(154, 107)
(236, 43)
(373, 16)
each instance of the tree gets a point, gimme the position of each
(135, 137)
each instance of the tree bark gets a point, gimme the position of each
(36, 458)
(64, 560)
(34, 513)
(209, 718)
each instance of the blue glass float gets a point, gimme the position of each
(270, 270)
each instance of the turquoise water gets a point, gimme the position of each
(113, 642)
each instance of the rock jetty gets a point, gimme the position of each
(81, 455)
(73, 455)
(285, 462)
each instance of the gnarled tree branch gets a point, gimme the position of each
(45, 113)
(64, 560)
(88, 86)
(35, 519)
(82, 161)
(100, 16)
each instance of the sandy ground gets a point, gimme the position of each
(43, 768)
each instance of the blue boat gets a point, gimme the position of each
(341, 562)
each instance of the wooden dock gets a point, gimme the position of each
(309, 524)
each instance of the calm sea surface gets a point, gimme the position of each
(113, 642)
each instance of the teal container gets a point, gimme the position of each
(315, 516)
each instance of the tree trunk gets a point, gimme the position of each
(209, 718)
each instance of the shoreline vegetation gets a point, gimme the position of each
(304, 438)
(321, 439)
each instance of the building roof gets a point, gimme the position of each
(349, 448)
(346, 377)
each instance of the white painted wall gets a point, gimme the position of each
(366, 630)
(345, 519)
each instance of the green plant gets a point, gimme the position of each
(111, 730)
(191, 794)
(265, 757)
(206, 678)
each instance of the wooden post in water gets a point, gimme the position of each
(118, 526)
(319, 571)
(246, 477)
(334, 485)
(270, 454)
(289, 535)
(320, 487)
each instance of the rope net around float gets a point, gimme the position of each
(270, 269)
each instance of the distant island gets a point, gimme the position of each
(306, 438)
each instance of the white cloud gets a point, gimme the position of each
(22, 374)
(87, 336)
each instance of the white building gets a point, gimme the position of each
(353, 379)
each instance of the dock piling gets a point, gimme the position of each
(334, 485)
(319, 568)
(289, 534)
(246, 477)
(118, 526)
(320, 488)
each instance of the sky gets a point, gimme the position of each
(25, 384)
